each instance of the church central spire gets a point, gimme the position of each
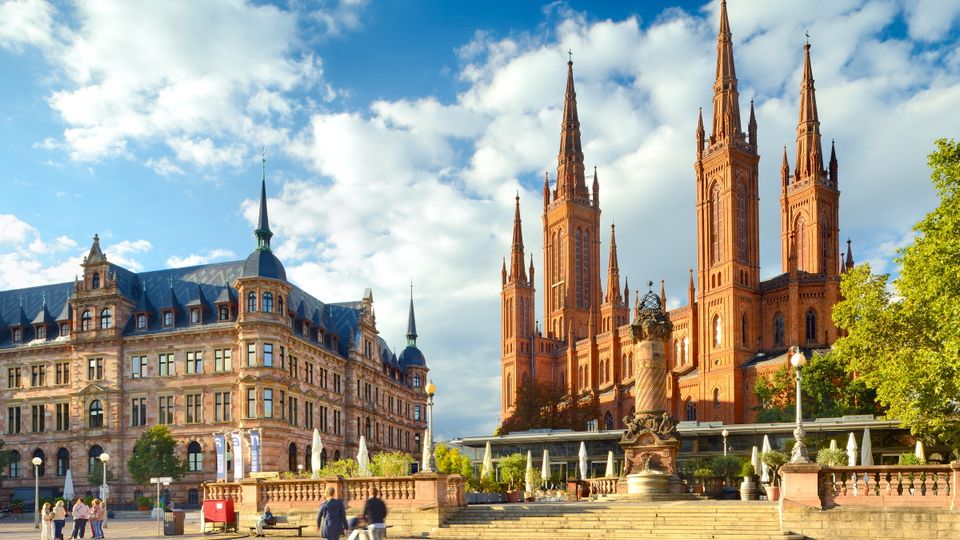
(517, 272)
(809, 149)
(262, 232)
(570, 180)
(726, 99)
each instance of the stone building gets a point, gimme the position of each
(213, 348)
(734, 326)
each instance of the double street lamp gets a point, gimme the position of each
(104, 488)
(37, 462)
(799, 454)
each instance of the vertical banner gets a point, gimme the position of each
(254, 450)
(220, 443)
(237, 438)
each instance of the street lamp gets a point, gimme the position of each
(799, 454)
(104, 488)
(37, 462)
(725, 433)
(430, 464)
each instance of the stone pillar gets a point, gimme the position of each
(955, 499)
(801, 484)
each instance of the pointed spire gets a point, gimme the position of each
(809, 151)
(849, 262)
(613, 270)
(752, 128)
(726, 99)
(785, 170)
(596, 188)
(517, 273)
(833, 163)
(691, 290)
(663, 295)
(411, 322)
(531, 269)
(570, 181)
(503, 272)
(546, 191)
(262, 232)
(626, 292)
(701, 136)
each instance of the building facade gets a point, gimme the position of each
(735, 326)
(220, 347)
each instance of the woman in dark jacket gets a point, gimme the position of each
(332, 517)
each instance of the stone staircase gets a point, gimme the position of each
(619, 520)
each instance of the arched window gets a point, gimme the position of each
(292, 457)
(741, 223)
(194, 457)
(267, 302)
(193, 496)
(686, 349)
(578, 267)
(608, 421)
(778, 329)
(96, 280)
(743, 331)
(336, 454)
(717, 331)
(630, 363)
(323, 457)
(63, 461)
(93, 458)
(800, 247)
(141, 321)
(308, 458)
(14, 468)
(96, 414)
(716, 397)
(168, 318)
(811, 325)
(42, 469)
(106, 318)
(85, 320)
(691, 410)
(587, 298)
(252, 301)
(678, 352)
(715, 223)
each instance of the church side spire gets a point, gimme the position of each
(262, 232)
(809, 151)
(833, 163)
(849, 262)
(752, 128)
(570, 180)
(700, 135)
(517, 272)
(613, 270)
(726, 99)
(785, 170)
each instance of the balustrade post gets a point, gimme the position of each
(801, 484)
(954, 479)
(250, 501)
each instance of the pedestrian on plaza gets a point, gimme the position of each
(46, 522)
(59, 519)
(375, 513)
(96, 518)
(81, 513)
(332, 517)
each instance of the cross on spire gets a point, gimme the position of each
(570, 53)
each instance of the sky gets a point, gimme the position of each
(397, 134)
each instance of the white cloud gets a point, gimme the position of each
(25, 23)
(123, 252)
(195, 259)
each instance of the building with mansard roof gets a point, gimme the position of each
(735, 326)
(213, 348)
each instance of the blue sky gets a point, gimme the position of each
(398, 132)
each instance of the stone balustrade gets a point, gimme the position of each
(901, 485)
(222, 491)
(603, 486)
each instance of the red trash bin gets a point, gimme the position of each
(219, 511)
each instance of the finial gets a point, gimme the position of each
(650, 286)
(570, 53)
(263, 161)
(807, 33)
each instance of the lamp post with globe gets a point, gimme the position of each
(430, 463)
(799, 454)
(725, 434)
(37, 462)
(104, 488)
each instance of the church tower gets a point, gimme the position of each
(727, 240)
(571, 242)
(517, 319)
(809, 199)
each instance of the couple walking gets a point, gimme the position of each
(54, 519)
(332, 518)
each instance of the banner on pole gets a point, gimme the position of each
(254, 450)
(237, 438)
(220, 443)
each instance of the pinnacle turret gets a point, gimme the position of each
(613, 270)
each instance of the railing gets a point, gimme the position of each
(291, 491)
(896, 485)
(603, 486)
(455, 494)
(391, 488)
(222, 491)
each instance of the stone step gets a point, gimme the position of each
(619, 534)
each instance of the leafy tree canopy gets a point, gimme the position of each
(547, 405)
(154, 455)
(451, 461)
(4, 461)
(903, 338)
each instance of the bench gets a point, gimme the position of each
(283, 523)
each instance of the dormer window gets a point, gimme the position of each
(141, 321)
(416, 381)
(195, 316)
(306, 329)
(17, 334)
(106, 319)
(168, 318)
(252, 302)
(223, 313)
(267, 302)
(64, 329)
(96, 280)
(41, 332)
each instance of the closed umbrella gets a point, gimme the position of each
(68, 486)
(363, 458)
(765, 469)
(528, 476)
(583, 460)
(833, 444)
(487, 469)
(851, 450)
(545, 468)
(611, 467)
(918, 451)
(755, 459)
(866, 449)
(425, 456)
(315, 450)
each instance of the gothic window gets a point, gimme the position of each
(743, 331)
(194, 457)
(678, 352)
(579, 268)
(716, 397)
(96, 280)
(811, 325)
(252, 301)
(85, 320)
(267, 302)
(741, 224)
(509, 390)
(587, 299)
(608, 421)
(799, 240)
(105, 318)
(96, 414)
(630, 363)
(778, 330)
(691, 410)
(625, 368)
(717, 331)
(715, 223)
(63, 461)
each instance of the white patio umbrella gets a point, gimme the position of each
(833, 444)
(363, 458)
(918, 451)
(755, 459)
(583, 460)
(765, 469)
(68, 487)
(851, 450)
(866, 449)
(611, 467)
(425, 456)
(487, 469)
(315, 450)
(545, 468)
(528, 475)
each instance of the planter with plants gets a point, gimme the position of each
(485, 491)
(142, 503)
(832, 457)
(726, 467)
(748, 488)
(16, 505)
(774, 459)
(512, 470)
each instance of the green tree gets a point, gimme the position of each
(451, 461)
(95, 478)
(903, 338)
(390, 464)
(154, 454)
(4, 462)
(547, 405)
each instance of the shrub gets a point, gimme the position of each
(774, 459)
(911, 459)
(834, 457)
(747, 469)
(725, 466)
(391, 464)
(347, 468)
(512, 470)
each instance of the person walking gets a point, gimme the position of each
(375, 513)
(96, 518)
(332, 517)
(59, 519)
(46, 522)
(265, 519)
(81, 513)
